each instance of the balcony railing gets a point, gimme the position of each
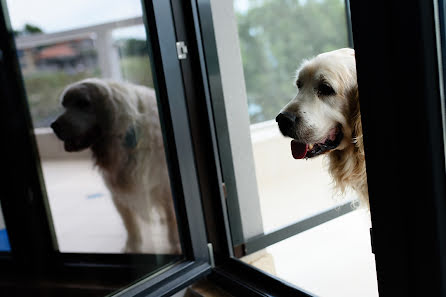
(107, 52)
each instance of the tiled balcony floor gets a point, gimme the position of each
(333, 259)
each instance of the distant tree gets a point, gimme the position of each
(275, 36)
(28, 29)
(31, 29)
(133, 47)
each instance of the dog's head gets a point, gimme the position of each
(319, 117)
(87, 114)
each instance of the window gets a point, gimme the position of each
(85, 206)
(76, 83)
(238, 224)
(271, 196)
(87, 216)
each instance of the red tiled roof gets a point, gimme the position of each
(57, 51)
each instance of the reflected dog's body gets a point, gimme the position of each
(119, 122)
(324, 118)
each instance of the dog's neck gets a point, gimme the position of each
(347, 167)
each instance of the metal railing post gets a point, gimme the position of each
(108, 56)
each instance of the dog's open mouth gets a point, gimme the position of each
(305, 150)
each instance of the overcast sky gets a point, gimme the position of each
(60, 15)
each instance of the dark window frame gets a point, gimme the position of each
(397, 63)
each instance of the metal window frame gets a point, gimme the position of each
(398, 79)
(241, 279)
(349, 23)
(262, 241)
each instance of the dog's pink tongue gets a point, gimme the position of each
(299, 150)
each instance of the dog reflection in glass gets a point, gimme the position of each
(119, 122)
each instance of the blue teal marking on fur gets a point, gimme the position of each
(4, 241)
(95, 195)
(131, 137)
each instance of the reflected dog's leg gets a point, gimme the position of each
(171, 224)
(163, 204)
(134, 239)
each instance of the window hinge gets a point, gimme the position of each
(225, 192)
(211, 255)
(181, 50)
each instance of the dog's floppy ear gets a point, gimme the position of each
(76, 95)
(356, 121)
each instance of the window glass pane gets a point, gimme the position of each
(332, 259)
(272, 49)
(4, 240)
(273, 32)
(91, 96)
(292, 198)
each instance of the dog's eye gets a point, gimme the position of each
(325, 89)
(299, 84)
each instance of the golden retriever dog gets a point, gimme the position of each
(119, 122)
(324, 118)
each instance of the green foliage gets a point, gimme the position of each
(133, 47)
(28, 29)
(136, 69)
(31, 29)
(275, 36)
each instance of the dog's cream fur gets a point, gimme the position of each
(119, 122)
(318, 114)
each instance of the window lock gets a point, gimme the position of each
(181, 50)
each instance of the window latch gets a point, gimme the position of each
(181, 50)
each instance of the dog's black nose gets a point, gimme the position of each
(53, 125)
(286, 121)
(56, 127)
(286, 116)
